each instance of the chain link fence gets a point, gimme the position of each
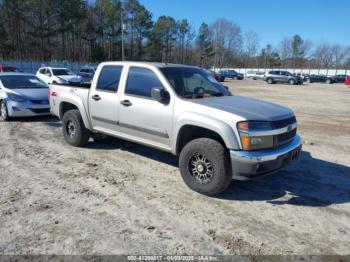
(33, 66)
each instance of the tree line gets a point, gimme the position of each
(85, 31)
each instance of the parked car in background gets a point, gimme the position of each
(218, 77)
(302, 76)
(231, 74)
(8, 68)
(319, 79)
(347, 81)
(282, 77)
(250, 74)
(181, 110)
(55, 75)
(22, 95)
(87, 73)
(339, 78)
(259, 76)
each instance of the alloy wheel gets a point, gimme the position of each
(201, 169)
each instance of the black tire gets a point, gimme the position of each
(291, 81)
(74, 130)
(328, 81)
(4, 115)
(269, 81)
(217, 165)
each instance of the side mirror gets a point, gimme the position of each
(48, 74)
(160, 94)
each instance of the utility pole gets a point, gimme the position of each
(122, 28)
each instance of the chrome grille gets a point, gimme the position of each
(284, 138)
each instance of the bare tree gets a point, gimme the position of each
(323, 56)
(251, 47)
(338, 55)
(227, 41)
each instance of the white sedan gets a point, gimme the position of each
(53, 75)
(22, 95)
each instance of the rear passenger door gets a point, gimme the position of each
(140, 117)
(103, 100)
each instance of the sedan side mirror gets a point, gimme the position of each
(160, 94)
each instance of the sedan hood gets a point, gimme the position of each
(33, 94)
(71, 78)
(248, 108)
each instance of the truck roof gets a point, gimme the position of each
(156, 64)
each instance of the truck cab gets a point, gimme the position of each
(182, 110)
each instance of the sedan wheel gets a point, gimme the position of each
(3, 111)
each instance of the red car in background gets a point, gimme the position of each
(347, 81)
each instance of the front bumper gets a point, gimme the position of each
(26, 109)
(246, 165)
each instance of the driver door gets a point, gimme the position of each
(142, 118)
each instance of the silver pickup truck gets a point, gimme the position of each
(183, 110)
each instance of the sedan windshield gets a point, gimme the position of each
(193, 82)
(61, 72)
(22, 82)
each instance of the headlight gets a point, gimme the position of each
(250, 138)
(16, 98)
(62, 81)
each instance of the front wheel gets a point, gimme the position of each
(291, 81)
(3, 111)
(74, 130)
(205, 166)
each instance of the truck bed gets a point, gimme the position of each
(76, 85)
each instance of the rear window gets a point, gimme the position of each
(22, 82)
(109, 78)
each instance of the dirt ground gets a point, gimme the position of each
(117, 197)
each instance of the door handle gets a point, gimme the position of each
(96, 97)
(126, 103)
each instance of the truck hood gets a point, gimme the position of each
(71, 78)
(32, 94)
(248, 108)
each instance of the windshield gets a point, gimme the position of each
(22, 82)
(193, 82)
(61, 72)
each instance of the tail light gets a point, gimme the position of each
(52, 93)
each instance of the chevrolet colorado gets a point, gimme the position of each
(183, 110)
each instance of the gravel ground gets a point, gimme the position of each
(116, 197)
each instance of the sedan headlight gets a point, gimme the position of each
(250, 135)
(62, 81)
(16, 98)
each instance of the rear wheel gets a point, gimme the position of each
(205, 166)
(74, 130)
(3, 111)
(269, 81)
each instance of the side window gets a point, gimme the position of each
(109, 78)
(47, 72)
(42, 71)
(141, 81)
